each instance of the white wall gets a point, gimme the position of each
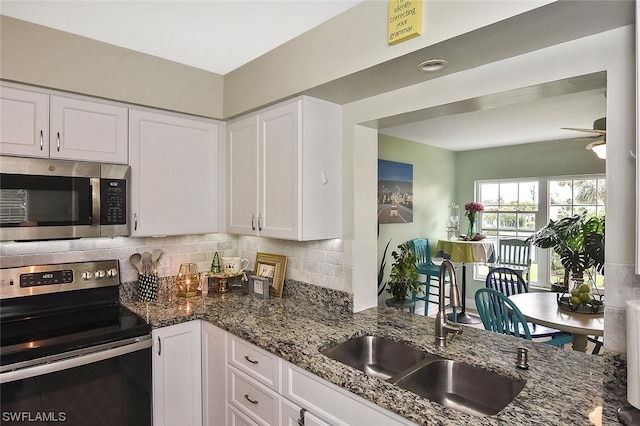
(326, 263)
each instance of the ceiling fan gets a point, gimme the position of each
(599, 145)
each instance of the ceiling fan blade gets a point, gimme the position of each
(599, 132)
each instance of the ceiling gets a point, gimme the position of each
(221, 35)
(527, 115)
(213, 35)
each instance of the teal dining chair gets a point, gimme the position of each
(500, 315)
(508, 282)
(514, 253)
(426, 267)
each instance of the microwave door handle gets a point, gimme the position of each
(95, 205)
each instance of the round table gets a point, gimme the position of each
(542, 308)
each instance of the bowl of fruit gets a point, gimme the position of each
(582, 301)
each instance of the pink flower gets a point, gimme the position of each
(474, 207)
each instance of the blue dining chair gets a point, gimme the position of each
(426, 267)
(508, 282)
(500, 315)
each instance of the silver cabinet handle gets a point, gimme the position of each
(250, 360)
(253, 222)
(159, 345)
(58, 142)
(260, 222)
(253, 401)
(301, 418)
(135, 221)
(41, 140)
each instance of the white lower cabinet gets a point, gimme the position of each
(213, 375)
(331, 403)
(177, 382)
(203, 375)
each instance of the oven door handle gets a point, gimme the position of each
(72, 359)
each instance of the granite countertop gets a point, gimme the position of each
(563, 387)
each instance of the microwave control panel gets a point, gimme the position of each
(113, 201)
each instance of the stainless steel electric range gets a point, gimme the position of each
(70, 352)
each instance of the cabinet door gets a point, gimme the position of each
(86, 130)
(213, 375)
(174, 174)
(24, 123)
(177, 392)
(279, 183)
(242, 176)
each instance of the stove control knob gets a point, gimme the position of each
(112, 272)
(100, 273)
(86, 275)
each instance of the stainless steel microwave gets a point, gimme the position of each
(43, 199)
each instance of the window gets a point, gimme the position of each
(517, 208)
(510, 210)
(568, 197)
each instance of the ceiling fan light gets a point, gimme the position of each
(600, 151)
(599, 147)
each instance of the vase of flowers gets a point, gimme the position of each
(472, 210)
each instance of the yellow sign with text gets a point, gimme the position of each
(405, 20)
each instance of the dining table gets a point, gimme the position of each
(542, 308)
(464, 252)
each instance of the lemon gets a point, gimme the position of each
(575, 293)
(585, 297)
(575, 301)
(584, 288)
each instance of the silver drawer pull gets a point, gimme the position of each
(250, 360)
(253, 401)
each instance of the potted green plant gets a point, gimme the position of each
(404, 274)
(578, 240)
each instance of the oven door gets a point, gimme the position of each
(44, 199)
(108, 384)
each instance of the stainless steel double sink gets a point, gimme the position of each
(454, 384)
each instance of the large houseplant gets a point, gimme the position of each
(578, 240)
(404, 274)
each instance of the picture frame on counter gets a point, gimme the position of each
(273, 267)
(259, 286)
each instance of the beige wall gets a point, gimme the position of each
(38, 55)
(354, 40)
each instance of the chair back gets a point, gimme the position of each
(506, 281)
(422, 251)
(514, 252)
(500, 315)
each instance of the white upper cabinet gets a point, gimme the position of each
(38, 124)
(24, 122)
(174, 174)
(88, 130)
(284, 171)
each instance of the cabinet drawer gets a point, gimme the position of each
(252, 398)
(236, 418)
(257, 363)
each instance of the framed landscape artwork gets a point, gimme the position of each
(395, 192)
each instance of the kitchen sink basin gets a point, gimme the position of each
(461, 386)
(454, 384)
(376, 356)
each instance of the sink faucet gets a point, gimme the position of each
(443, 326)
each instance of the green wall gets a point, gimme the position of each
(433, 190)
(442, 176)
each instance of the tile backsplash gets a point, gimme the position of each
(326, 263)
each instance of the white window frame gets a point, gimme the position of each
(541, 257)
